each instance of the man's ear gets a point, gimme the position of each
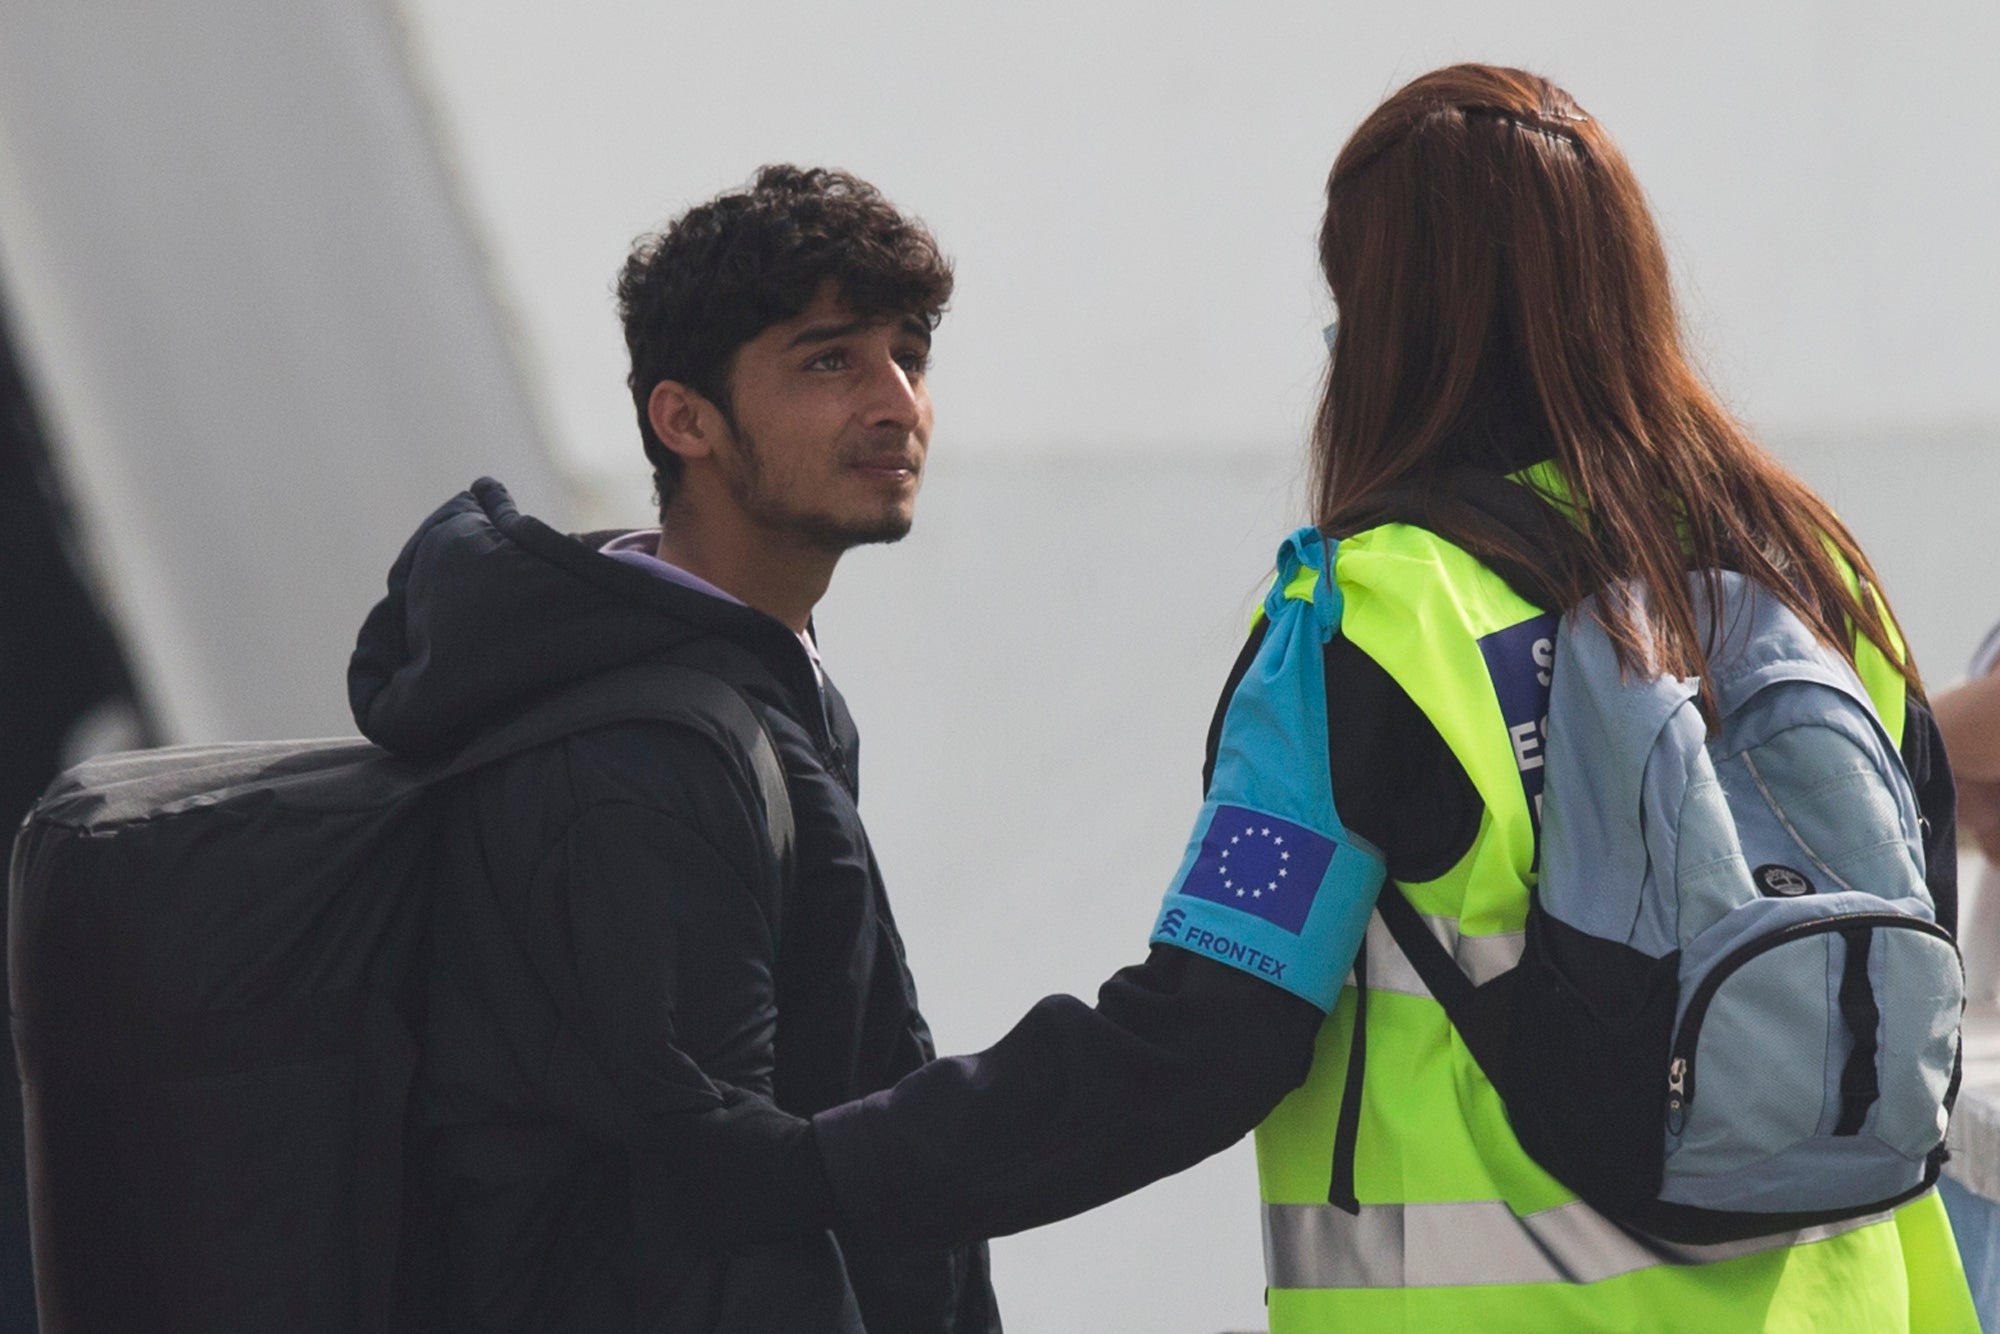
(685, 421)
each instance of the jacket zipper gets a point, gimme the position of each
(1680, 1065)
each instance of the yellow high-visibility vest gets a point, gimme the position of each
(1459, 1229)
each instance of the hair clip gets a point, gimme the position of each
(1556, 124)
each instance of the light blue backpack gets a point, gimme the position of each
(1736, 1013)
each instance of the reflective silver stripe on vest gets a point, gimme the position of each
(1465, 1244)
(1483, 958)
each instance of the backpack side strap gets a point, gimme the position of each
(1479, 1013)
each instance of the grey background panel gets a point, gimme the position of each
(258, 324)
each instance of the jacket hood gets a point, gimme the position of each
(488, 608)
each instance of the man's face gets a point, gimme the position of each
(833, 420)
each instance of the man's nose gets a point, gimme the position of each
(893, 399)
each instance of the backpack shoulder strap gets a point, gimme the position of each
(1502, 523)
(702, 702)
(1477, 1012)
(661, 691)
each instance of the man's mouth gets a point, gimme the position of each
(887, 467)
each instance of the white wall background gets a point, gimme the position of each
(1131, 192)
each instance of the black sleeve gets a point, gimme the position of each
(1937, 803)
(1395, 781)
(1077, 1105)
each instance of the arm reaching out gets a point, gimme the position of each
(1075, 1106)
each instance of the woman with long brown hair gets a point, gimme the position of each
(1510, 425)
(1504, 300)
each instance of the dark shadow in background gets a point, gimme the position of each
(65, 691)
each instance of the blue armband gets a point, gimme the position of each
(1272, 882)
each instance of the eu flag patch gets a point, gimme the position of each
(1261, 865)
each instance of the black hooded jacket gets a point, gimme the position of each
(619, 959)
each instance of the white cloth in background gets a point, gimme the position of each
(1987, 653)
(1979, 891)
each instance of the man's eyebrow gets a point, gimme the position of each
(824, 333)
(827, 333)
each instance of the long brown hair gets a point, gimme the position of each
(1485, 242)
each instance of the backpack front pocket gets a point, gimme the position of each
(1811, 1060)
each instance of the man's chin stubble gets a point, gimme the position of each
(846, 536)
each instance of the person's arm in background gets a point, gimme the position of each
(1965, 721)
(1969, 717)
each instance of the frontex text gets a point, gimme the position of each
(1222, 947)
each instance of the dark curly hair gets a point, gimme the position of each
(723, 272)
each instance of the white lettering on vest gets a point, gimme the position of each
(1527, 738)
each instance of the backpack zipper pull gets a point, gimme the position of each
(1677, 1099)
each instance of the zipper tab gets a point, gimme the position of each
(1677, 1099)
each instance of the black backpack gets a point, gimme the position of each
(214, 958)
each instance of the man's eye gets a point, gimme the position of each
(833, 359)
(914, 363)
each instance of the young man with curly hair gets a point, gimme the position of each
(626, 962)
